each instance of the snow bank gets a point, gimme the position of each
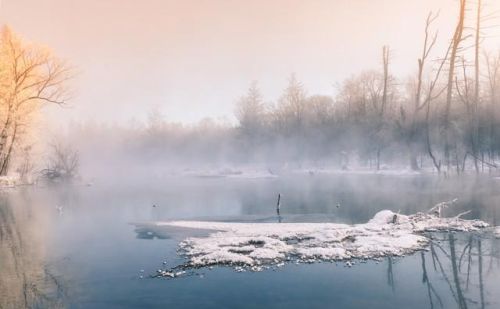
(497, 232)
(398, 171)
(367, 171)
(274, 172)
(8, 181)
(230, 173)
(252, 245)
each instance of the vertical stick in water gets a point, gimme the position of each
(278, 205)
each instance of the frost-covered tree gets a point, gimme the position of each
(291, 107)
(250, 111)
(30, 76)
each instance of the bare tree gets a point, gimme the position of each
(386, 80)
(428, 44)
(475, 108)
(466, 96)
(493, 68)
(30, 76)
(457, 39)
(250, 110)
(63, 163)
(292, 106)
(27, 166)
(476, 51)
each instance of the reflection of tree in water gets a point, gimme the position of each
(454, 267)
(431, 291)
(390, 273)
(25, 281)
(455, 258)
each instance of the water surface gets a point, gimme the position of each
(75, 246)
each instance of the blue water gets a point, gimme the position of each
(87, 254)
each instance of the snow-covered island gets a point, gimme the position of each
(256, 246)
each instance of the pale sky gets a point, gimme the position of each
(193, 58)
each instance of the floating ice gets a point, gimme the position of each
(255, 246)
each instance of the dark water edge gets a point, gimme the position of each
(74, 246)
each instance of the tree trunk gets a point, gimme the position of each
(413, 160)
(457, 38)
(4, 168)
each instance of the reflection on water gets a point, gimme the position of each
(75, 246)
(25, 281)
(458, 259)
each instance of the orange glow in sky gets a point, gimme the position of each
(194, 58)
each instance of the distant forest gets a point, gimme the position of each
(446, 117)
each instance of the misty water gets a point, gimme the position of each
(76, 246)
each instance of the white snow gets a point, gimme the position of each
(497, 232)
(254, 245)
(251, 173)
(8, 181)
(360, 170)
(367, 171)
(255, 172)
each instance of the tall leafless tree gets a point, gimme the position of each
(456, 41)
(30, 77)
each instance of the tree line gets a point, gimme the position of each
(446, 116)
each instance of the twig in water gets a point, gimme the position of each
(462, 214)
(278, 205)
(437, 209)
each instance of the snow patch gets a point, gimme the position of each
(251, 173)
(402, 172)
(9, 181)
(253, 245)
